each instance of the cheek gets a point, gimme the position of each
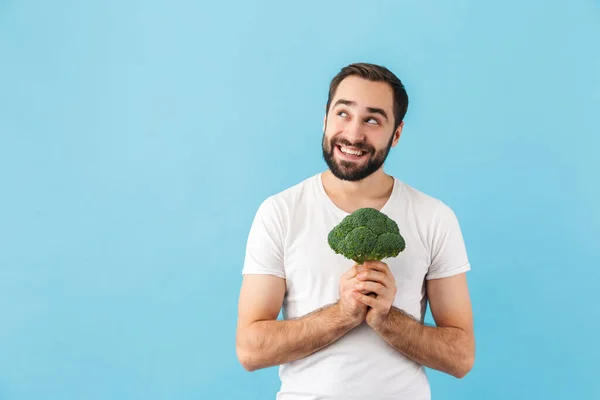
(332, 132)
(378, 138)
(333, 128)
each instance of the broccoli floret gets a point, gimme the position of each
(366, 234)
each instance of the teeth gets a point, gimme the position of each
(350, 151)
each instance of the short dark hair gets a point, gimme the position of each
(375, 73)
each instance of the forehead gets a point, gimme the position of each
(365, 93)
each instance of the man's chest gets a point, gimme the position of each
(313, 270)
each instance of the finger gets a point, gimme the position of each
(374, 266)
(377, 265)
(365, 299)
(353, 271)
(376, 276)
(363, 291)
(374, 287)
(360, 268)
(350, 273)
(350, 284)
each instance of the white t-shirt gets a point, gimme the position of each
(288, 238)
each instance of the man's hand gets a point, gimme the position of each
(378, 279)
(350, 308)
(264, 341)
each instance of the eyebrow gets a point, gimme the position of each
(373, 110)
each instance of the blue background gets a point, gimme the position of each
(137, 139)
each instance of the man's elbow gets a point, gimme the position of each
(248, 366)
(249, 358)
(464, 365)
(245, 360)
(244, 356)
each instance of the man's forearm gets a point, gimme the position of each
(269, 343)
(446, 349)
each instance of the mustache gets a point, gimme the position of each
(362, 146)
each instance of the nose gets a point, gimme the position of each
(354, 131)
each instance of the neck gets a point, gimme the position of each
(375, 187)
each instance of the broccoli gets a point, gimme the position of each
(365, 235)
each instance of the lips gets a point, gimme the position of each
(350, 153)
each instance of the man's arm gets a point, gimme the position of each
(449, 346)
(263, 341)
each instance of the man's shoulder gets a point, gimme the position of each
(285, 200)
(425, 207)
(296, 192)
(419, 199)
(299, 188)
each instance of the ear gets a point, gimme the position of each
(324, 122)
(397, 134)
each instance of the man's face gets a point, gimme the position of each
(358, 131)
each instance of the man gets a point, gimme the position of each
(335, 341)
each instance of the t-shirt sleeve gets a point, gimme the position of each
(264, 248)
(448, 252)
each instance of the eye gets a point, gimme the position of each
(372, 121)
(342, 114)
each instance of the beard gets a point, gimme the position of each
(354, 171)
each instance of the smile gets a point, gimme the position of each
(350, 153)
